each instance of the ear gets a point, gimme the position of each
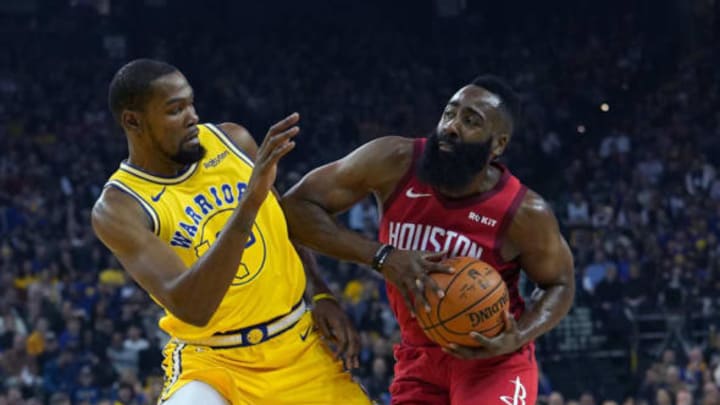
(131, 121)
(499, 143)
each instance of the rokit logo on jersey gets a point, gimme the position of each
(473, 216)
(205, 220)
(411, 236)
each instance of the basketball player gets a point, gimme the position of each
(447, 196)
(191, 216)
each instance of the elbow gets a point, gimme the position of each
(193, 317)
(188, 309)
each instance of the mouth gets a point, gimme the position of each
(192, 137)
(446, 146)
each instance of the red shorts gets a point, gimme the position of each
(426, 375)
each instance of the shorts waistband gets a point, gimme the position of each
(252, 335)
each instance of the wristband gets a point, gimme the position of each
(323, 296)
(381, 256)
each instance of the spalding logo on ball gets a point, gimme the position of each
(475, 299)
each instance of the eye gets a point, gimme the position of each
(176, 110)
(471, 121)
(449, 114)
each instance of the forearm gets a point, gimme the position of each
(548, 309)
(312, 226)
(197, 293)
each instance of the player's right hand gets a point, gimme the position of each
(409, 271)
(277, 143)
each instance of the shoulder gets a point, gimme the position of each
(240, 136)
(116, 209)
(532, 227)
(534, 213)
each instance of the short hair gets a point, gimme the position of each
(509, 100)
(130, 87)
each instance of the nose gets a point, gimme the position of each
(450, 133)
(192, 117)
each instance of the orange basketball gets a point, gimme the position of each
(475, 299)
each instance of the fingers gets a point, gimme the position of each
(439, 268)
(278, 144)
(324, 329)
(415, 282)
(283, 124)
(434, 256)
(353, 351)
(433, 285)
(482, 339)
(342, 339)
(281, 151)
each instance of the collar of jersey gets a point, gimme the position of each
(138, 172)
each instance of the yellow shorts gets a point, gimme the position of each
(295, 367)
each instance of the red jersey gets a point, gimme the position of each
(415, 217)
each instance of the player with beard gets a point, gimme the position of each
(447, 196)
(193, 217)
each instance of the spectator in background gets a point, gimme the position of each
(673, 382)
(578, 210)
(700, 177)
(587, 398)
(21, 369)
(60, 398)
(594, 273)
(135, 342)
(684, 397)
(86, 389)
(693, 373)
(635, 290)
(556, 398)
(123, 359)
(377, 383)
(710, 394)
(662, 397)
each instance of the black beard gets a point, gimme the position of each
(187, 157)
(452, 171)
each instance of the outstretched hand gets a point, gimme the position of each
(277, 143)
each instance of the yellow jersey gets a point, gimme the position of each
(189, 211)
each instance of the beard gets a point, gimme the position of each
(188, 156)
(455, 170)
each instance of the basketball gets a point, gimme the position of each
(475, 299)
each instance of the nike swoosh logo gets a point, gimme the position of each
(304, 335)
(156, 198)
(411, 194)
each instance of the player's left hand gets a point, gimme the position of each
(506, 342)
(335, 326)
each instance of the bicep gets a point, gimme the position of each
(336, 187)
(549, 262)
(147, 259)
(544, 254)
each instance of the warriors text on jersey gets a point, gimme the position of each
(416, 217)
(189, 211)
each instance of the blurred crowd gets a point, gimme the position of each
(625, 150)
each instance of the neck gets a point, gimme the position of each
(484, 181)
(153, 163)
